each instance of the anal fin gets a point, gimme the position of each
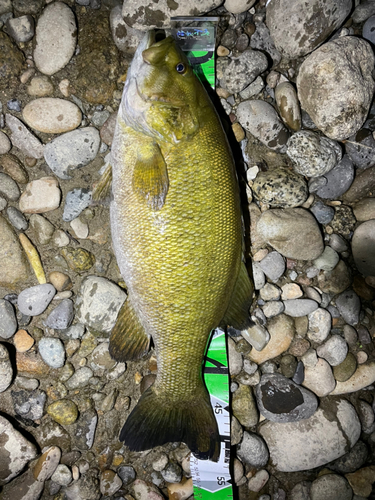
(128, 341)
(237, 314)
(150, 176)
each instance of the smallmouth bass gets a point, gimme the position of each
(177, 235)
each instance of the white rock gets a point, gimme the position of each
(15, 451)
(238, 6)
(56, 38)
(51, 115)
(23, 139)
(362, 377)
(315, 441)
(5, 143)
(41, 195)
(319, 378)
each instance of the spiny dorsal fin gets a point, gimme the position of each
(128, 341)
(237, 314)
(102, 188)
(150, 176)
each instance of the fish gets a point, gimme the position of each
(178, 239)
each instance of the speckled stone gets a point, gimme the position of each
(313, 155)
(280, 187)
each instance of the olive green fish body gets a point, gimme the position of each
(176, 229)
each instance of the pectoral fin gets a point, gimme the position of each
(150, 177)
(237, 314)
(102, 188)
(128, 341)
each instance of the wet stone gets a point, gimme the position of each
(62, 316)
(75, 202)
(8, 320)
(52, 351)
(29, 405)
(34, 300)
(281, 400)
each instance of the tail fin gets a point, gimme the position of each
(156, 421)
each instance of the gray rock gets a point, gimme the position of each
(56, 38)
(281, 400)
(62, 316)
(252, 450)
(328, 260)
(273, 265)
(313, 155)
(17, 219)
(331, 487)
(6, 370)
(262, 121)
(75, 202)
(29, 404)
(127, 474)
(137, 16)
(261, 40)
(360, 148)
(98, 303)
(15, 451)
(34, 300)
(363, 247)
(84, 429)
(339, 179)
(172, 473)
(72, 150)
(323, 437)
(351, 461)
(239, 72)
(334, 350)
(349, 306)
(280, 187)
(293, 232)
(80, 378)
(52, 351)
(299, 307)
(323, 213)
(288, 23)
(9, 188)
(21, 28)
(23, 139)
(8, 320)
(320, 322)
(327, 102)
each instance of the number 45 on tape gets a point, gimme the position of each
(212, 480)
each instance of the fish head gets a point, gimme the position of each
(162, 94)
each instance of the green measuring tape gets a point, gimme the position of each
(212, 480)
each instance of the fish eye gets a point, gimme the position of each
(180, 68)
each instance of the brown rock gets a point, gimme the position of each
(14, 168)
(23, 341)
